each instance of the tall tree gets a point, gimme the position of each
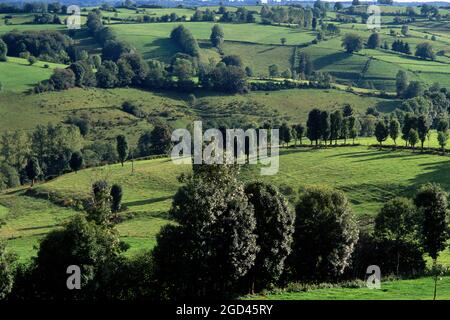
(352, 42)
(413, 138)
(313, 125)
(381, 132)
(425, 51)
(3, 50)
(122, 148)
(300, 131)
(401, 82)
(442, 139)
(91, 247)
(423, 126)
(213, 245)
(274, 230)
(116, 197)
(347, 110)
(160, 138)
(394, 129)
(6, 271)
(335, 125)
(397, 221)
(432, 202)
(33, 170)
(409, 122)
(351, 124)
(325, 126)
(325, 235)
(285, 133)
(76, 161)
(217, 36)
(374, 41)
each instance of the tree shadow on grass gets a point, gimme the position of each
(146, 201)
(39, 227)
(267, 50)
(330, 59)
(379, 155)
(391, 155)
(161, 48)
(387, 105)
(434, 172)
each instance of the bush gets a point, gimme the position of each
(32, 60)
(384, 253)
(94, 248)
(131, 108)
(10, 175)
(6, 271)
(62, 79)
(82, 124)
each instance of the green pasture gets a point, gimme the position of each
(102, 107)
(414, 289)
(17, 75)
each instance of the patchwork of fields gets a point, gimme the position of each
(369, 176)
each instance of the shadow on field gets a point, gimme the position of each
(387, 105)
(266, 50)
(327, 60)
(39, 227)
(161, 48)
(146, 201)
(434, 172)
(379, 155)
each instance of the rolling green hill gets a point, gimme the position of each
(369, 177)
(103, 107)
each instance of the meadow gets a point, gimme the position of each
(152, 40)
(17, 75)
(413, 289)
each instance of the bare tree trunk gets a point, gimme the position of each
(435, 277)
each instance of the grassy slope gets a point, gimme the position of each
(256, 33)
(294, 105)
(368, 177)
(17, 75)
(152, 40)
(102, 107)
(266, 55)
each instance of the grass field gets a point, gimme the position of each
(17, 75)
(293, 105)
(101, 107)
(266, 55)
(415, 289)
(152, 40)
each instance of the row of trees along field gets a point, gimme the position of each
(353, 42)
(230, 239)
(413, 119)
(50, 151)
